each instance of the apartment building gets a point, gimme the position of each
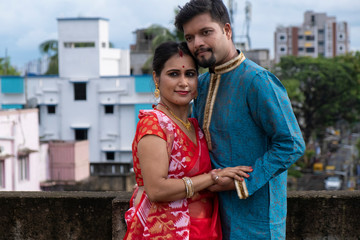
(319, 35)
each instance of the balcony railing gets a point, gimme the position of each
(110, 169)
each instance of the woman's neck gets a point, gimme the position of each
(180, 111)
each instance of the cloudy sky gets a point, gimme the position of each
(24, 24)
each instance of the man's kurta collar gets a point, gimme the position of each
(230, 65)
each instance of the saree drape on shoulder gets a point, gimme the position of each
(173, 220)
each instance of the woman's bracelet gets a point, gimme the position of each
(188, 187)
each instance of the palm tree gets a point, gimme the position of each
(50, 48)
(160, 35)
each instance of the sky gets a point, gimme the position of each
(25, 24)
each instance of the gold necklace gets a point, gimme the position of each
(187, 125)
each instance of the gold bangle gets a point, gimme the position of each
(186, 187)
(189, 187)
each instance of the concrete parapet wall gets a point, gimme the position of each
(323, 215)
(58, 215)
(100, 215)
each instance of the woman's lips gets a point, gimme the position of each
(182, 92)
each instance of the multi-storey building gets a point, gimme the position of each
(22, 166)
(140, 52)
(319, 35)
(94, 97)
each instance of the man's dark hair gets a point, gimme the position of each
(216, 8)
(165, 51)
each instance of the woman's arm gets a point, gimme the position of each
(154, 164)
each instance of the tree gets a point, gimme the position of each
(323, 90)
(6, 68)
(159, 34)
(50, 48)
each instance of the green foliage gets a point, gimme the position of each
(358, 146)
(294, 172)
(322, 90)
(6, 68)
(159, 35)
(50, 48)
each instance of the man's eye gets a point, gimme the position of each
(206, 32)
(188, 39)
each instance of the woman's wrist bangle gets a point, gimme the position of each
(188, 187)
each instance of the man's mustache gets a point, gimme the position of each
(202, 50)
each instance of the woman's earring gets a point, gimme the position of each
(157, 91)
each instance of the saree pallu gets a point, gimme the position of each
(173, 220)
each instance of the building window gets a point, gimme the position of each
(321, 43)
(79, 44)
(282, 37)
(282, 49)
(312, 20)
(79, 91)
(81, 134)
(321, 31)
(310, 38)
(103, 44)
(300, 49)
(2, 174)
(23, 164)
(109, 109)
(341, 36)
(310, 50)
(51, 109)
(110, 156)
(300, 37)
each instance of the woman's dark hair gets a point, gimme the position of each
(216, 8)
(165, 51)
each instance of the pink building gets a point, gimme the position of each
(69, 161)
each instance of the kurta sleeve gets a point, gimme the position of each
(271, 109)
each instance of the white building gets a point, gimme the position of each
(319, 35)
(22, 166)
(93, 98)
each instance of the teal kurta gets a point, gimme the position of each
(252, 124)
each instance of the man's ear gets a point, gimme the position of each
(228, 30)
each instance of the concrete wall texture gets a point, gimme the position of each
(100, 215)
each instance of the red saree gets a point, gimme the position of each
(195, 218)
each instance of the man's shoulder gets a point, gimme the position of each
(204, 75)
(203, 78)
(252, 66)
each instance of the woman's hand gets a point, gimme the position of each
(224, 178)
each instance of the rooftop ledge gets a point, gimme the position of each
(100, 215)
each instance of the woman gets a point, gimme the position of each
(171, 159)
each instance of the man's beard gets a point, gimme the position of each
(205, 63)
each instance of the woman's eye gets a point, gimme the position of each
(173, 74)
(191, 74)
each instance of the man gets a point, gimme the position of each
(247, 119)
